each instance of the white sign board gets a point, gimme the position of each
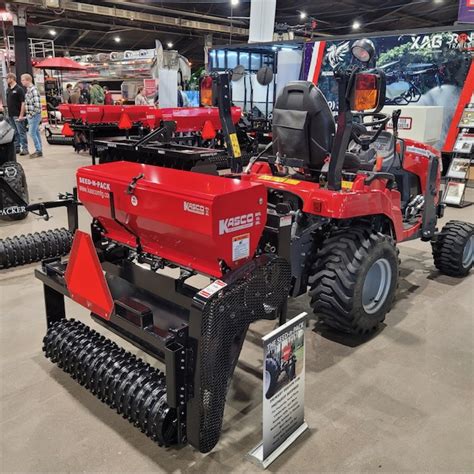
(283, 390)
(419, 122)
(168, 88)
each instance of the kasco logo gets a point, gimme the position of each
(195, 208)
(234, 224)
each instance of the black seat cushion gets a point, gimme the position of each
(303, 125)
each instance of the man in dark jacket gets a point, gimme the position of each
(16, 113)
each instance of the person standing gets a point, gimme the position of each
(67, 94)
(33, 113)
(85, 96)
(97, 94)
(108, 99)
(140, 98)
(75, 97)
(16, 113)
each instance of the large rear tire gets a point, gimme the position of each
(453, 249)
(354, 279)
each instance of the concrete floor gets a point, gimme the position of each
(401, 401)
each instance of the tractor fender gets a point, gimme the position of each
(355, 200)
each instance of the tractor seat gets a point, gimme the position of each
(303, 125)
(303, 128)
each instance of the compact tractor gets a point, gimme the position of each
(180, 263)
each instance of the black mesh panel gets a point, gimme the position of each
(225, 320)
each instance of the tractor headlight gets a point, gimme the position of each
(363, 50)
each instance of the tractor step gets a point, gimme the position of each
(30, 248)
(126, 383)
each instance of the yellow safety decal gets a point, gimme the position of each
(235, 145)
(347, 185)
(276, 179)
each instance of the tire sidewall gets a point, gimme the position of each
(448, 252)
(384, 249)
(464, 271)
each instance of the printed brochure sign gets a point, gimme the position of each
(283, 390)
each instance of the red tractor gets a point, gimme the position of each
(345, 215)
(324, 212)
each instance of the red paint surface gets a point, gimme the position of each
(362, 200)
(176, 214)
(188, 119)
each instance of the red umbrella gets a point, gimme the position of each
(60, 64)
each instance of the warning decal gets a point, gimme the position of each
(277, 179)
(235, 145)
(214, 287)
(240, 247)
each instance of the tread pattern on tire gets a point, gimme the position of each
(18, 183)
(30, 248)
(448, 248)
(334, 276)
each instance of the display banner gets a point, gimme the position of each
(151, 88)
(466, 11)
(426, 70)
(283, 390)
(262, 20)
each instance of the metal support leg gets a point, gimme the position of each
(54, 304)
(73, 214)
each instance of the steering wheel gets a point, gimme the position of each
(379, 122)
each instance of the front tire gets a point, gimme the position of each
(453, 249)
(354, 279)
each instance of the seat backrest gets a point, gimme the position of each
(303, 125)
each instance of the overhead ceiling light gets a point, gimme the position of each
(302, 15)
(117, 39)
(356, 25)
(169, 44)
(52, 32)
(234, 2)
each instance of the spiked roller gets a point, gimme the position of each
(133, 388)
(30, 248)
